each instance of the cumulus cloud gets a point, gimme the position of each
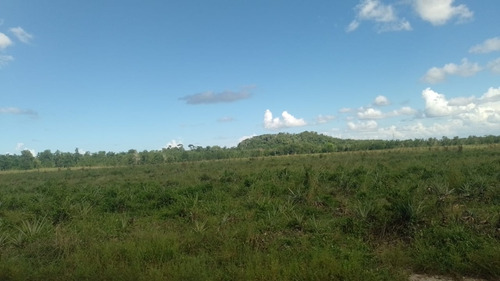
(286, 121)
(436, 104)
(173, 144)
(381, 101)
(212, 97)
(439, 12)
(17, 111)
(488, 46)
(405, 110)
(21, 147)
(492, 95)
(383, 15)
(442, 116)
(472, 110)
(21, 35)
(371, 113)
(4, 41)
(439, 74)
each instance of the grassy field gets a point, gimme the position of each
(378, 215)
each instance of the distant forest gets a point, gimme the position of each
(263, 145)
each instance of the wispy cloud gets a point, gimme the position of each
(21, 35)
(439, 74)
(5, 42)
(212, 97)
(488, 46)
(383, 15)
(322, 119)
(439, 12)
(286, 121)
(18, 111)
(494, 66)
(4, 60)
(225, 119)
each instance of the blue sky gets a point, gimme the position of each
(119, 75)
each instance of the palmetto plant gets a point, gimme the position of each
(199, 227)
(442, 190)
(28, 230)
(364, 209)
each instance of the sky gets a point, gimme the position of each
(109, 75)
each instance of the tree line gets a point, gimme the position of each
(259, 146)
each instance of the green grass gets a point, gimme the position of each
(377, 215)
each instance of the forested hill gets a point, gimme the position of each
(263, 145)
(267, 141)
(312, 142)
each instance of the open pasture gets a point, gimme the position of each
(377, 215)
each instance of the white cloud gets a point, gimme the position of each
(383, 15)
(21, 35)
(4, 41)
(287, 121)
(405, 110)
(381, 101)
(436, 74)
(438, 12)
(471, 110)
(488, 46)
(494, 66)
(370, 113)
(21, 147)
(459, 116)
(492, 95)
(173, 144)
(369, 125)
(436, 104)
(4, 60)
(246, 137)
(345, 110)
